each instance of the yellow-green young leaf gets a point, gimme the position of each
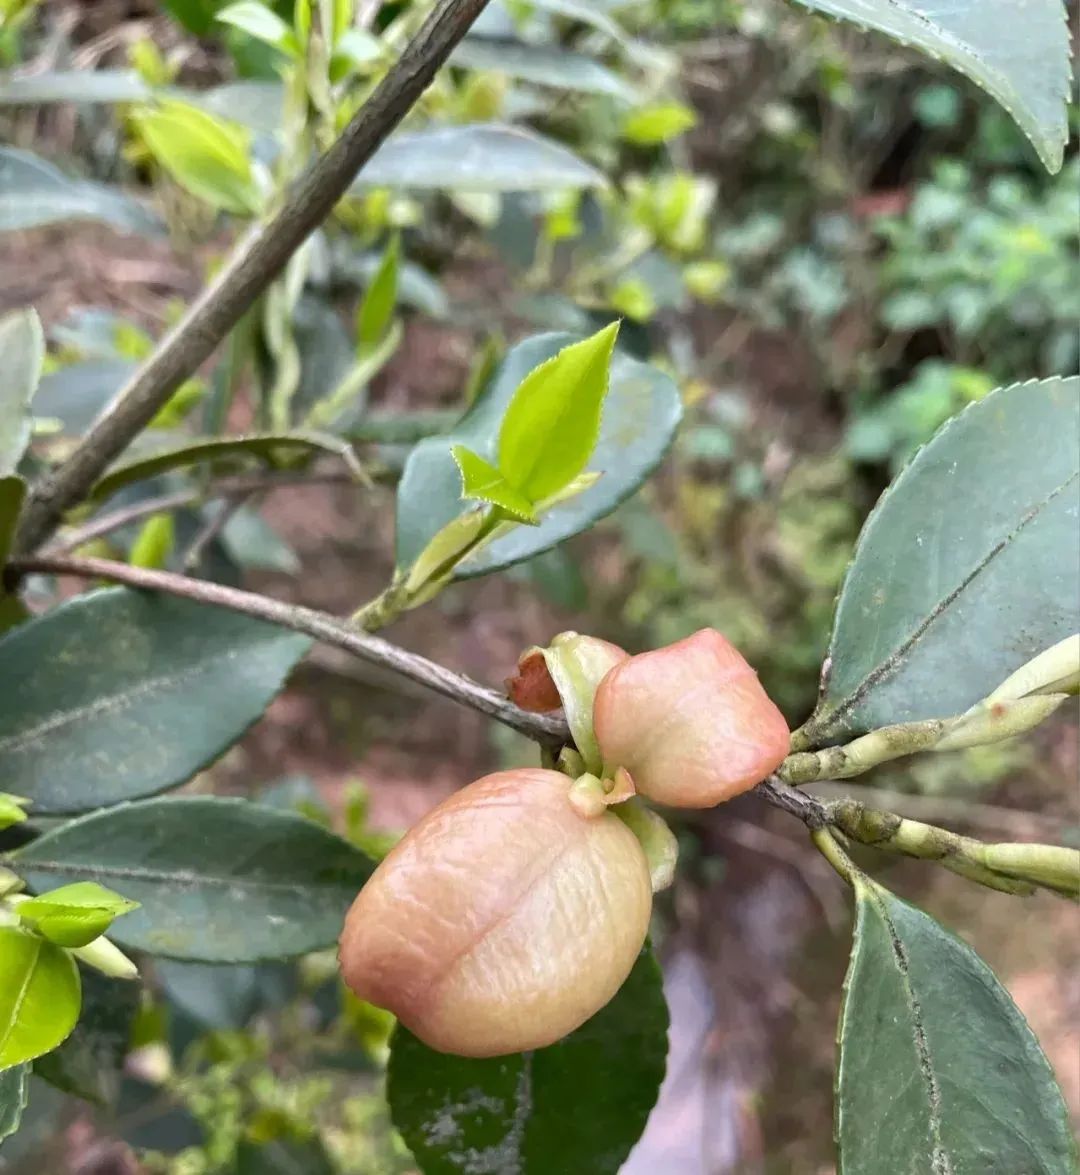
(74, 915)
(40, 996)
(651, 125)
(379, 300)
(484, 483)
(12, 810)
(154, 543)
(262, 23)
(552, 423)
(206, 155)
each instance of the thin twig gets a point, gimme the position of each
(212, 529)
(255, 262)
(810, 811)
(226, 487)
(319, 625)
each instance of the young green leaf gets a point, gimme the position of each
(14, 1091)
(928, 1032)
(154, 543)
(552, 423)
(262, 23)
(12, 810)
(984, 585)
(218, 880)
(481, 481)
(579, 1105)
(39, 995)
(22, 349)
(75, 914)
(380, 298)
(658, 124)
(208, 156)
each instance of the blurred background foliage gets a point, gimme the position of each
(832, 244)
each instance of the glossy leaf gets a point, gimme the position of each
(380, 298)
(579, 1105)
(543, 65)
(76, 394)
(39, 996)
(74, 915)
(219, 880)
(207, 155)
(968, 567)
(34, 192)
(938, 1071)
(553, 419)
(89, 1063)
(22, 349)
(1019, 56)
(482, 482)
(270, 447)
(14, 1092)
(262, 23)
(123, 694)
(641, 413)
(479, 157)
(74, 85)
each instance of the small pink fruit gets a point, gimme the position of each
(503, 920)
(689, 722)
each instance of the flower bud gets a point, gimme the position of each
(503, 920)
(690, 723)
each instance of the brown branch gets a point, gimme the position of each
(255, 262)
(319, 625)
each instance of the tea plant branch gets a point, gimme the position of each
(251, 267)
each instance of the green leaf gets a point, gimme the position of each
(1020, 56)
(74, 915)
(74, 85)
(579, 1105)
(123, 694)
(222, 996)
(543, 65)
(12, 492)
(33, 193)
(89, 1064)
(12, 809)
(75, 394)
(154, 543)
(479, 157)
(14, 1092)
(284, 1156)
(658, 124)
(482, 482)
(553, 420)
(641, 413)
(39, 996)
(380, 298)
(22, 349)
(968, 566)
(218, 880)
(274, 448)
(262, 23)
(938, 1070)
(208, 156)
(256, 104)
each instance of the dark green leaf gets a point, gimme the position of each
(640, 416)
(479, 157)
(579, 1105)
(284, 1156)
(252, 542)
(482, 482)
(12, 492)
(219, 880)
(968, 566)
(123, 694)
(207, 155)
(89, 1063)
(221, 995)
(39, 996)
(938, 1070)
(553, 419)
(33, 193)
(271, 447)
(1019, 56)
(22, 348)
(74, 85)
(75, 395)
(74, 915)
(14, 1091)
(544, 65)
